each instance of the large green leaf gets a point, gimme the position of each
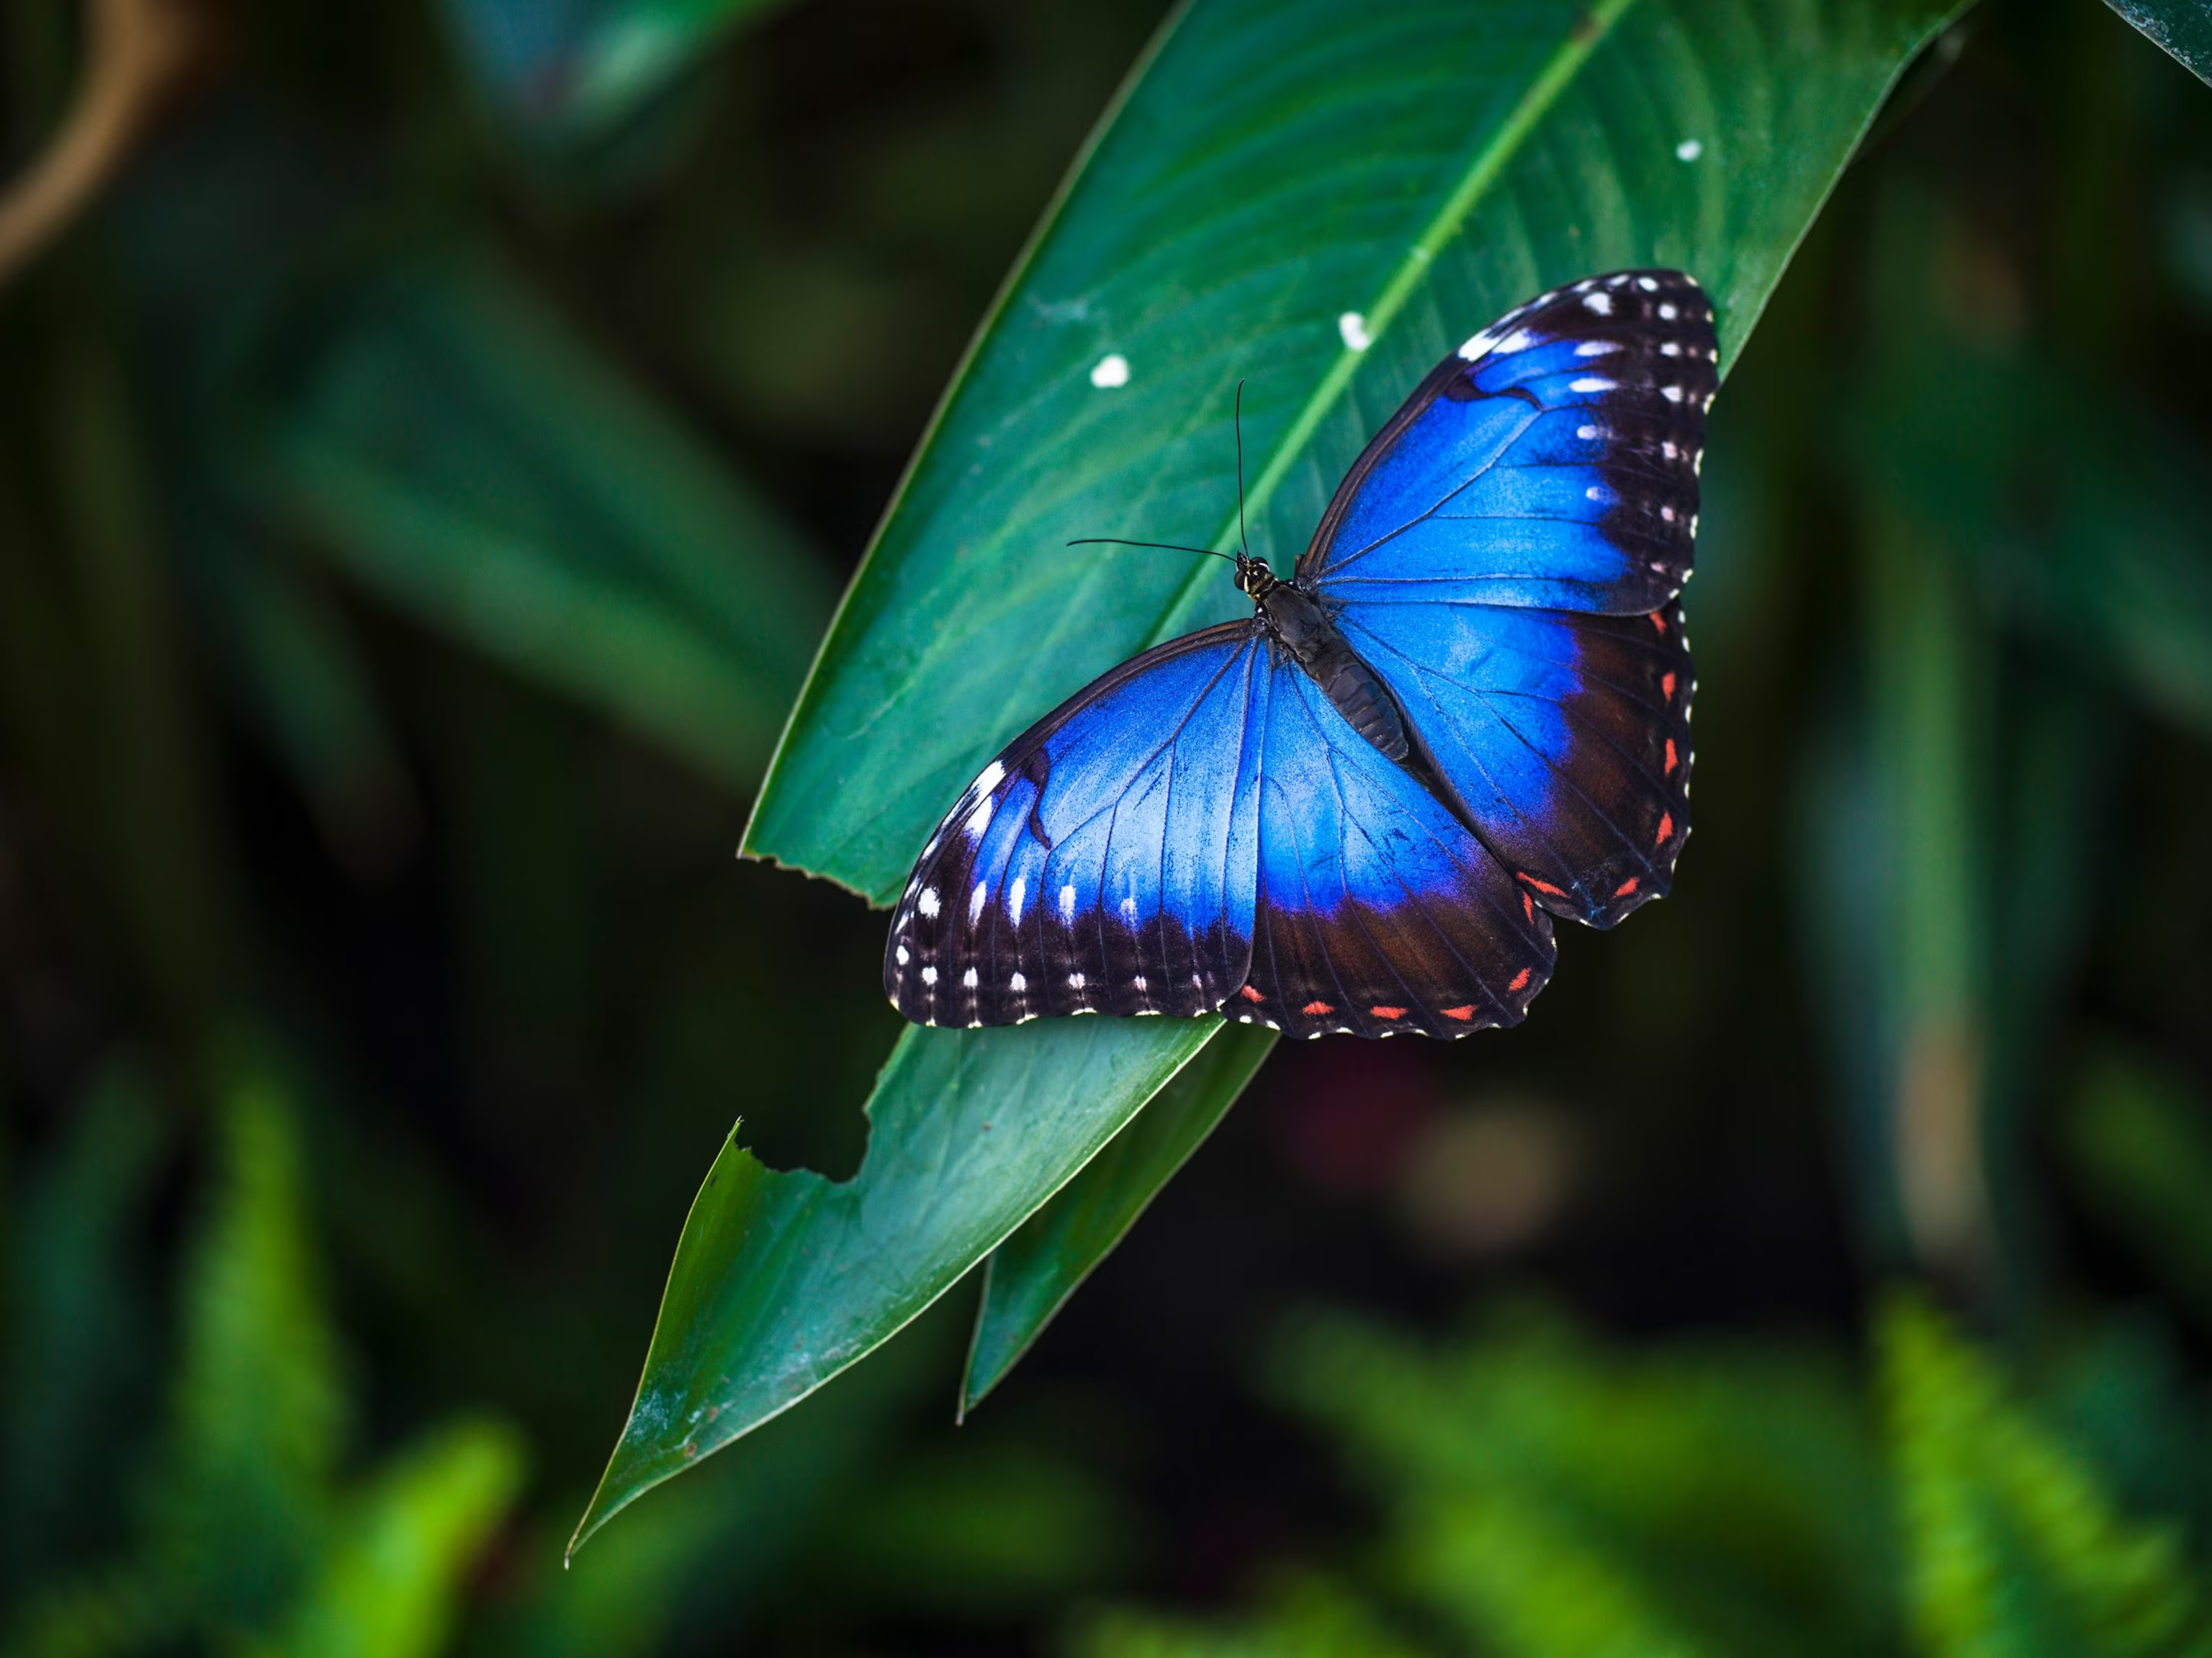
(1031, 1276)
(1276, 168)
(435, 429)
(1319, 198)
(780, 1281)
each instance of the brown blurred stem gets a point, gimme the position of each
(137, 51)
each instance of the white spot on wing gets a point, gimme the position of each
(1688, 150)
(979, 819)
(976, 905)
(903, 956)
(1519, 340)
(1672, 393)
(1018, 984)
(1113, 370)
(1014, 899)
(1649, 284)
(1668, 313)
(1600, 303)
(1129, 909)
(994, 775)
(1588, 433)
(928, 905)
(969, 977)
(929, 975)
(1596, 348)
(1353, 327)
(1067, 905)
(1591, 383)
(1075, 981)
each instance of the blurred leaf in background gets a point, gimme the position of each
(251, 1534)
(1542, 1499)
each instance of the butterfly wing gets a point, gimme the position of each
(1376, 912)
(1506, 554)
(1202, 830)
(1105, 862)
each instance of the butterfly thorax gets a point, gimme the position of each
(1298, 621)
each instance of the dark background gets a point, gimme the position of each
(276, 821)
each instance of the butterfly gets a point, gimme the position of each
(1359, 810)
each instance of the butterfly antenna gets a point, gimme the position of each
(1168, 546)
(1239, 421)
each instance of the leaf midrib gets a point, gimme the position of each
(1483, 170)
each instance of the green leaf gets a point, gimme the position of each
(438, 432)
(77, 1352)
(782, 1280)
(571, 69)
(2183, 27)
(1550, 1497)
(1270, 168)
(391, 1586)
(2014, 1545)
(259, 1417)
(713, 1552)
(1029, 1277)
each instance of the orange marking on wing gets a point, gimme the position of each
(1249, 994)
(1315, 1010)
(1388, 1012)
(1625, 888)
(1462, 1014)
(1529, 908)
(1659, 621)
(1666, 686)
(1542, 886)
(1520, 980)
(1670, 756)
(1666, 828)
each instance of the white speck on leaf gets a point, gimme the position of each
(1688, 150)
(1113, 370)
(1353, 327)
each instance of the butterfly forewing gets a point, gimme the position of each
(1506, 554)
(1102, 863)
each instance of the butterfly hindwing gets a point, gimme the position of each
(1104, 862)
(1376, 911)
(1565, 735)
(1506, 555)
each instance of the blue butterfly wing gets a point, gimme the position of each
(1376, 911)
(1105, 862)
(1201, 830)
(1506, 554)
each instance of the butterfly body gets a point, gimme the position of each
(1299, 624)
(1358, 809)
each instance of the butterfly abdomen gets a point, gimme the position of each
(1305, 631)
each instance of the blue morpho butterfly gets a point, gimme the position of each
(1466, 713)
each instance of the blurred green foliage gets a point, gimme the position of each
(424, 476)
(1541, 1496)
